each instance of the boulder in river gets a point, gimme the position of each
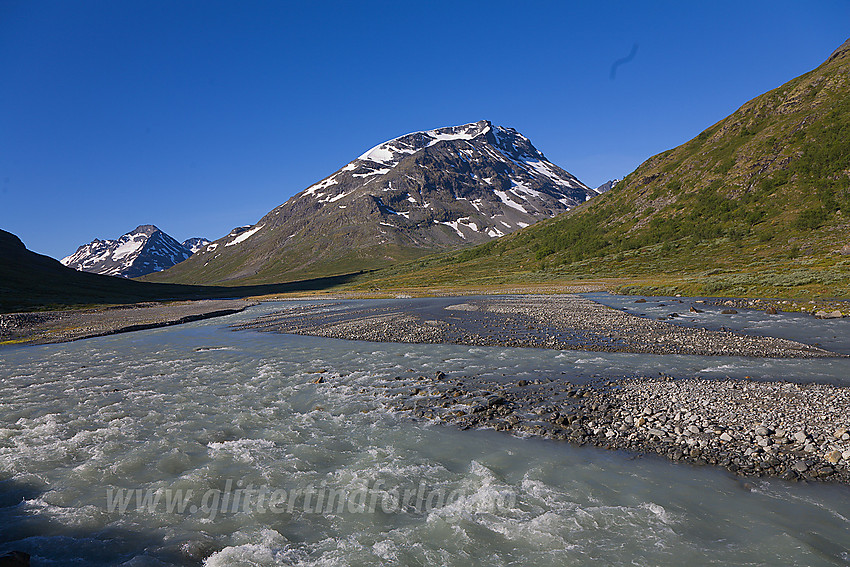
(828, 314)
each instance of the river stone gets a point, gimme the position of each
(761, 430)
(800, 466)
(800, 437)
(840, 432)
(828, 315)
(833, 457)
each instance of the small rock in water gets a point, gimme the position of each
(770, 311)
(695, 310)
(641, 300)
(728, 312)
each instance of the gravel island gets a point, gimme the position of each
(536, 321)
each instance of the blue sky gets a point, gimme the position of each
(199, 116)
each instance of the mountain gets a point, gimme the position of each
(195, 244)
(607, 186)
(413, 195)
(758, 203)
(141, 251)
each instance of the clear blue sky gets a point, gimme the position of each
(199, 116)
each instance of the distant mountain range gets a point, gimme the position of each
(141, 251)
(756, 204)
(413, 195)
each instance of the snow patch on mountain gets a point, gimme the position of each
(244, 235)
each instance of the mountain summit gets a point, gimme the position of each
(413, 195)
(141, 251)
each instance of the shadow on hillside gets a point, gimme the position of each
(312, 284)
(81, 288)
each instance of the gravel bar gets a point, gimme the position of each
(560, 322)
(799, 432)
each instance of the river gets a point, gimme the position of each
(199, 445)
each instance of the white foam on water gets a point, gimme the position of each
(265, 547)
(246, 450)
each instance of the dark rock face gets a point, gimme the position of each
(607, 186)
(144, 250)
(419, 193)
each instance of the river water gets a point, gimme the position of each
(198, 445)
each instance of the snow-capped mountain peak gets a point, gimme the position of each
(141, 251)
(415, 194)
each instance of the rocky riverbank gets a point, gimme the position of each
(73, 324)
(792, 431)
(819, 308)
(558, 322)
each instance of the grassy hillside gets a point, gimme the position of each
(758, 203)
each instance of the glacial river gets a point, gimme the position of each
(198, 445)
